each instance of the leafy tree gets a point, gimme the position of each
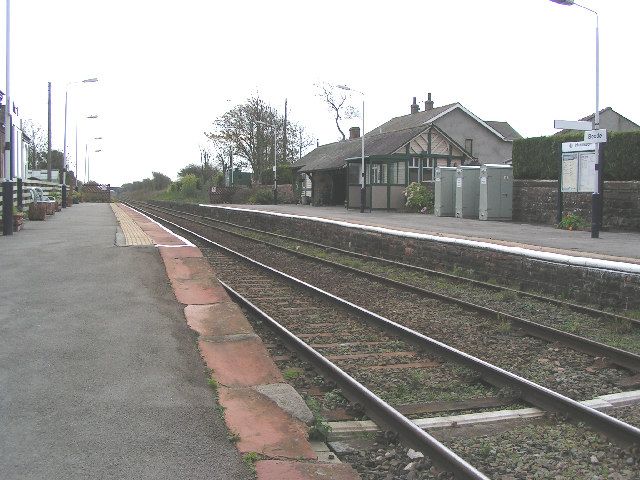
(160, 181)
(238, 134)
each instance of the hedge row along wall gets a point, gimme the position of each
(538, 157)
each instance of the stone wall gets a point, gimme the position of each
(596, 286)
(534, 201)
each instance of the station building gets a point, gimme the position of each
(403, 150)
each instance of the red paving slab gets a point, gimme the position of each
(241, 363)
(180, 252)
(217, 320)
(262, 426)
(283, 470)
(193, 281)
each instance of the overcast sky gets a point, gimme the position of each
(167, 69)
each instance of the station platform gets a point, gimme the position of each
(613, 246)
(110, 329)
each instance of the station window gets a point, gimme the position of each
(414, 170)
(397, 173)
(468, 145)
(354, 173)
(378, 173)
(427, 170)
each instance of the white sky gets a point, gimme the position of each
(167, 69)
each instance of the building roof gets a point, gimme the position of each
(334, 155)
(506, 130)
(589, 118)
(391, 135)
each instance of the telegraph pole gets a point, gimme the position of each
(49, 166)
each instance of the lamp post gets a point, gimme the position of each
(87, 158)
(275, 161)
(596, 198)
(64, 148)
(363, 190)
(7, 186)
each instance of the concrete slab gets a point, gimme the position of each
(193, 281)
(219, 319)
(279, 470)
(100, 376)
(262, 426)
(288, 399)
(241, 363)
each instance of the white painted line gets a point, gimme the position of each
(187, 243)
(536, 254)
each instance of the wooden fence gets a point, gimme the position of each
(49, 188)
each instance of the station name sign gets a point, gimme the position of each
(578, 147)
(596, 136)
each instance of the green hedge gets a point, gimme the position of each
(537, 158)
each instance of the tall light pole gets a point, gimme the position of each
(64, 148)
(275, 161)
(7, 186)
(596, 198)
(363, 190)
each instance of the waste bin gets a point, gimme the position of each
(467, 191)
(445, 192)
(496, 192)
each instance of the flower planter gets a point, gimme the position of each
(50, 207)
(58, 206)
(18, 221)
(37, 211)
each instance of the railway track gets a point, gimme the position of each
(333, 324)
(545, 326)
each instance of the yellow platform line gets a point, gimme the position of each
(133, 234)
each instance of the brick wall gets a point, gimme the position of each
(534, 201)
(596, 286)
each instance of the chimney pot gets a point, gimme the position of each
(428, 105)
(354, 132)
(415, 108)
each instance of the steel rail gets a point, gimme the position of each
(537, 395)
(618, 356)
(457, 278)
(379, 410)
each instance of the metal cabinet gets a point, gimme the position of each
(445, 192)
(467, 191)
(496, 192)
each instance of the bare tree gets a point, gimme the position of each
(337, 102)
(38, 147)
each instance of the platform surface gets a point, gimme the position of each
(100, 376)
(621, 246)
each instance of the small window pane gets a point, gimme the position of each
(354, 173)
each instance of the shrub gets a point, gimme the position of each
(539, 157)
(571, 221)
(419, 198)
(189, 185)
(261, 197)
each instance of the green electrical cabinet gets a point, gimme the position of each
(467, 191)
(445, 192)
(496, 192)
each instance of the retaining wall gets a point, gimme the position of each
(590, 285)
(534, 201)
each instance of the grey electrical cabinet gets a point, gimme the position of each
(467, 191)
(445, 192)
(496, 192)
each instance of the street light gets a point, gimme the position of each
(64, 148)
(87, 158)
(91, 117)
(275, 162)
(596, 198)
(363, 191)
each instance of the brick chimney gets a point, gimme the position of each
(428, 105)
(354, 132)
(414, 106)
